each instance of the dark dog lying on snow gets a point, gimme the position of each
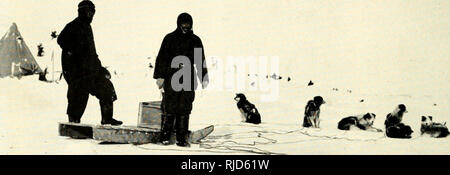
(394, 126)
(363, 122)
(249, 113)
(436, 130)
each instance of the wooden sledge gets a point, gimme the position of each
(138, 135)
(124, 134)
(148, 129)
(76, 130)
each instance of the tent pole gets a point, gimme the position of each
(12, 69)
(53, 66)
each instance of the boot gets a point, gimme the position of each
(107, 114)
(182, 129)
(112, 122)
(183, 144)
(166, 128)
(73, 119)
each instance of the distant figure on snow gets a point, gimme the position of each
(276, 77)
(40, 50)
(310, 83)
(54, 35)
(312, 112)
(42, 75)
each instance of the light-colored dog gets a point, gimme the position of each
(433, 129)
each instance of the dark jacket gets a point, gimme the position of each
(176, 44)
(77, 38)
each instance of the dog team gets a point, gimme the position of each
(394, 128)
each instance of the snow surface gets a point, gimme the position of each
(385, 52)
(31, 109)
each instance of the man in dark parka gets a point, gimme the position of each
(83, 70)
(177, 104)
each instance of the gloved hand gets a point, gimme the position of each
(160, 82)
(105, 72)
(205, 84)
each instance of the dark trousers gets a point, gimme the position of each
(78, 96)
(176, 107)
(181, 123)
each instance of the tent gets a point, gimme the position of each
(16, 59)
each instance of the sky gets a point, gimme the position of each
(396, 46)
